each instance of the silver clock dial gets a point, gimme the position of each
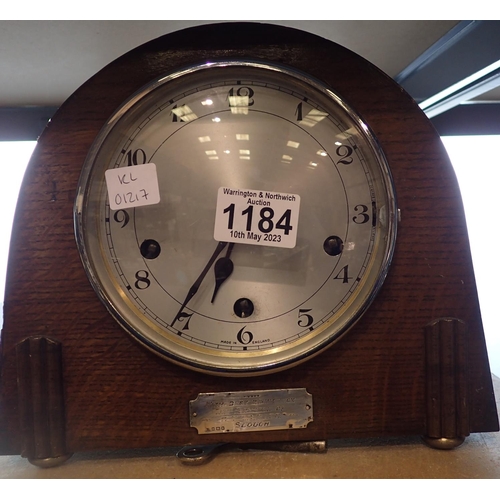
(274, 228)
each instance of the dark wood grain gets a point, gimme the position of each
(118, 394)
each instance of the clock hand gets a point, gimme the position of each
(201, 277)
(223, 269)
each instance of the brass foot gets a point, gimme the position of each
(47, 463)
(443, 443)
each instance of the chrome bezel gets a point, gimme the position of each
(215, 363)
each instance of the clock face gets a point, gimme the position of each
(236, 218)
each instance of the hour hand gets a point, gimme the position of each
(223, 269)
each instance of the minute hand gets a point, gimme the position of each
(194, 288)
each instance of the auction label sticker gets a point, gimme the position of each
(134, 186)
(257, 217)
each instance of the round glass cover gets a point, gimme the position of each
(236, 217)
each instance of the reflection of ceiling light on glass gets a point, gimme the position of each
(242, 137)
(337, 143)
(216, 119)
(292, 144)
(239, 110)
(351, 131)
(238, 101)
(244, 157)
(211, 153)
(313, 164)
(207, 102)
(213, 157)
(227, 151)
(184, 113)
(313, 117)
(322, 153)
(244, 151)
(204, 139)
(286, 158)
(239, 104)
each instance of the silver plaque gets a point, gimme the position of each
(250, 411)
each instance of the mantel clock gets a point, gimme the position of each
(239, 233)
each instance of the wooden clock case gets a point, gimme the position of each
(415, 364)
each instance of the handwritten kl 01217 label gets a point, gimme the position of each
(134, 186)
(256, 217)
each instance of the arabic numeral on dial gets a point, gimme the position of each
(362, 217)
(345, 153)
(305, 320)
(137, 157)
(241, 97)
(142, 280)
(244, 337)
(184, 317)
(344, 274)
(182, 114)
(122, 217)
